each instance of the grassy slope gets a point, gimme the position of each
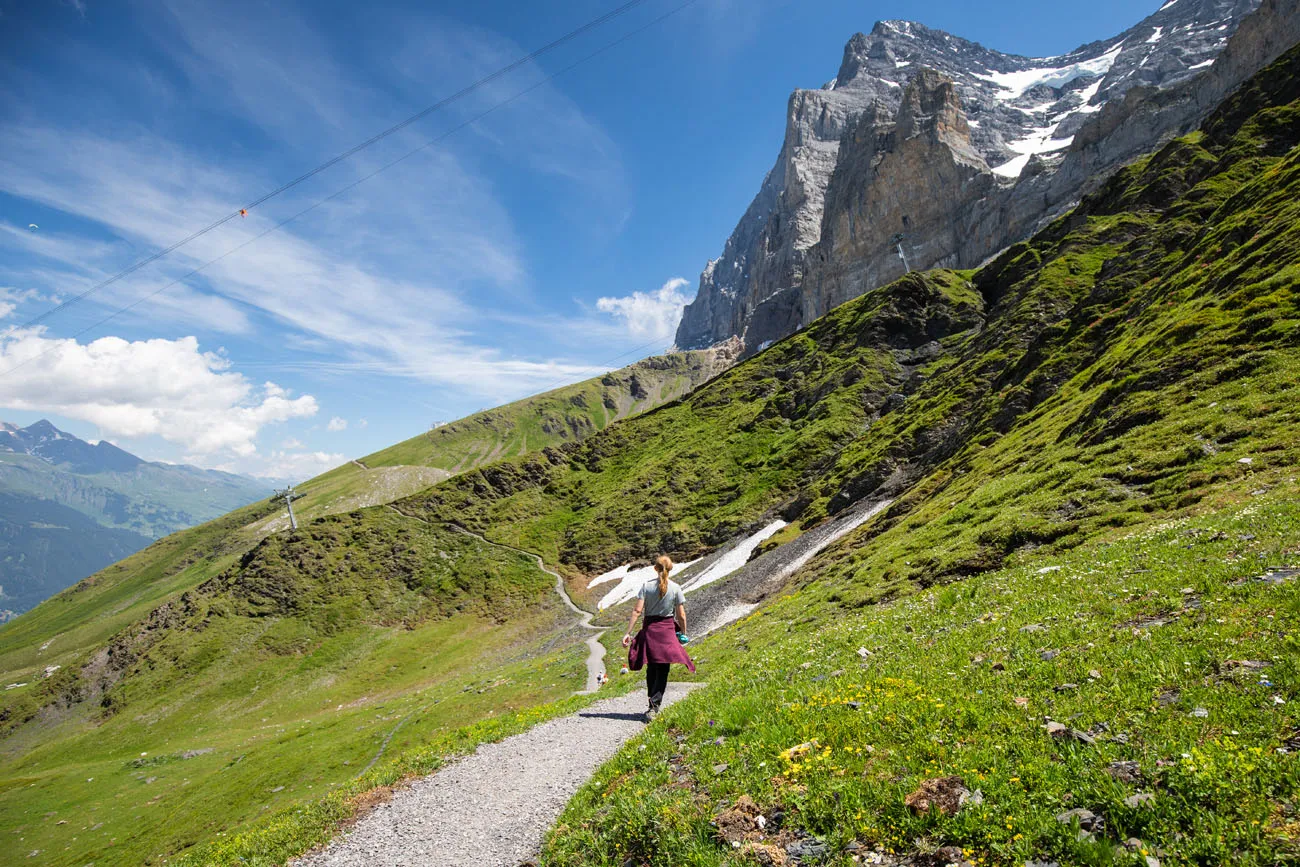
(292, 668)
(1072, 379)
(66, 627)
(1140, 361)
(695, 472)
(75, 622)
(955, 686)
(1059, 394)
(564, 415)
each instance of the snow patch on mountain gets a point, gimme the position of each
(1014, 85)
(735, 558)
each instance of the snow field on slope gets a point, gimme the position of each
(629, 582)
(1014, 85)
(735, 558)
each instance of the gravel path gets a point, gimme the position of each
(493, 808)
(595, 650)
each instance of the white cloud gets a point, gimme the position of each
(649, 314)
(165, 388)
(337, 424)
(395, 277)
(296, 465)
(363, 423)
(399, 277)
(291, 443)
(396, 316)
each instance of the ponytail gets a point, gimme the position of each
(663, 566)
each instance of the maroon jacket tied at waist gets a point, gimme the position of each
(657, 642)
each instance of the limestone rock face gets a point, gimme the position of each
(765, 254)
(962, 150)
(902, 183)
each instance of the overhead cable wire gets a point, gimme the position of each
(420, 115)
(438, 139)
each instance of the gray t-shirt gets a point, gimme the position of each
(661, 606)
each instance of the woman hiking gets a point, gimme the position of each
(657, 645)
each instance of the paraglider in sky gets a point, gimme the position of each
(243, 212)
(33, 226)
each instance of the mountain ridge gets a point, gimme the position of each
(1048, 130)
(122, 504)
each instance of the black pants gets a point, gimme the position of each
(656, 682)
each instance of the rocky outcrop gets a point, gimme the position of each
(764, 257)
(962, 150)
(903, 178)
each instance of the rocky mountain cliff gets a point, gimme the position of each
(935, 150)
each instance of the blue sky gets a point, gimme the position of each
(468, 275)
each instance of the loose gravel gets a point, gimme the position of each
(493, 808)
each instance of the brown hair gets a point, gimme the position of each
(663, 565)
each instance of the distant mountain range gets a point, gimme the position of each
(68, 508)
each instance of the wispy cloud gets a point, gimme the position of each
(389, 277)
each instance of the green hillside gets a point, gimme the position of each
(1163, 663)
(448, 647)
(568, 414)
(288, 674)
(1090, 445)
(563, 415)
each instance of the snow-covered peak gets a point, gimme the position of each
(1021, 106)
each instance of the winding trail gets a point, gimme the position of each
(595, 650)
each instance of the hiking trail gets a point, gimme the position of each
(495, 806)
(595, 650)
